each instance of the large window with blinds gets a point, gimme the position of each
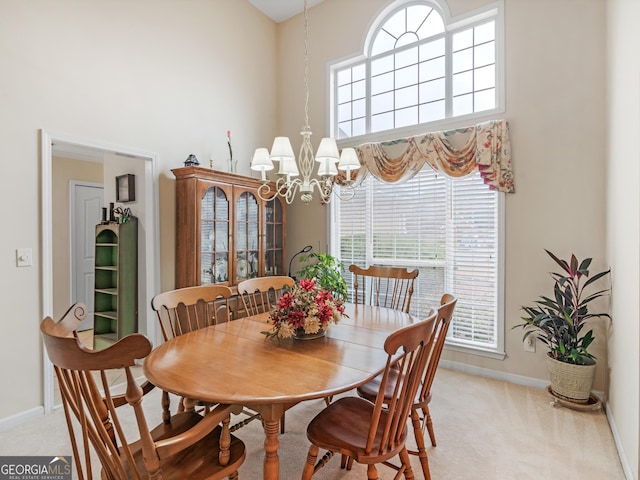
(448, 228)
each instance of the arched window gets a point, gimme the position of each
(419, 67)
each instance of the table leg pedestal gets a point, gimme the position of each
(271, 444)
(271, 415)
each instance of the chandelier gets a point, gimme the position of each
(297, 177)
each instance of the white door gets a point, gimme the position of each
(86, 214)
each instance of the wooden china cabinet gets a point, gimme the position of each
(225, 232)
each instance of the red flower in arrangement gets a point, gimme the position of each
(306, 307)
(285, 301)
(307, 285)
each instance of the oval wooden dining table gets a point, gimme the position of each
(234, 363)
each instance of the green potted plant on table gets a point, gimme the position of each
(327, 271)
(559, 322)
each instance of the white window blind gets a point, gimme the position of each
(448, 228)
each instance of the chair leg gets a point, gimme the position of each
(422, 450)
(282, 423)
(372, 472)
(188, 405)
(427, 416)
(406, 462)
(225, 442)
(309, 466)
(166, 408)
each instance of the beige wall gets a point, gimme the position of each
(63, 171)
(172, 77)
(623, 225)
(163, 76)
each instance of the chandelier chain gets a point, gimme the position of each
(306, 68)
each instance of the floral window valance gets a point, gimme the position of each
(458, 152)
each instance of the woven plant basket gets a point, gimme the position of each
(569, 381)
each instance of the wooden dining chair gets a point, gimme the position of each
(373, 433)
(390, 287)
(187, 309)
(261, 294)
(189, 446)
(420, 415)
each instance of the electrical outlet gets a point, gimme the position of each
(530, 344)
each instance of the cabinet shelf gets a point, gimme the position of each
(108, 291)
(110, 314)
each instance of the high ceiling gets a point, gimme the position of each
(281, 10)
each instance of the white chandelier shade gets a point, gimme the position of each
(261, 162)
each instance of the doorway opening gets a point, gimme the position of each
(146, 163)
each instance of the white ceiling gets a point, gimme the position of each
(281, 10)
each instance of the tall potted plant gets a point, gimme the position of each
(559, 322)
(327, 271)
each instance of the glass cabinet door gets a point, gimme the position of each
(214, 237)
(247, 236)
(274, 238)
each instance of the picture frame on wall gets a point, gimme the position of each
(126, 188)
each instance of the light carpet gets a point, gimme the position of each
(486, 429)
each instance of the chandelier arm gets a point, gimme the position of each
(345, 192)
(264, 190)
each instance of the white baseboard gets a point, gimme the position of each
(19, 418)
(504, 376)
(628, 474)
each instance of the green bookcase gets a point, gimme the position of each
(116, 282)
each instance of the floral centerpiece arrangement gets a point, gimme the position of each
(306, 309)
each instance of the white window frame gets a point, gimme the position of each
(493, 11)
